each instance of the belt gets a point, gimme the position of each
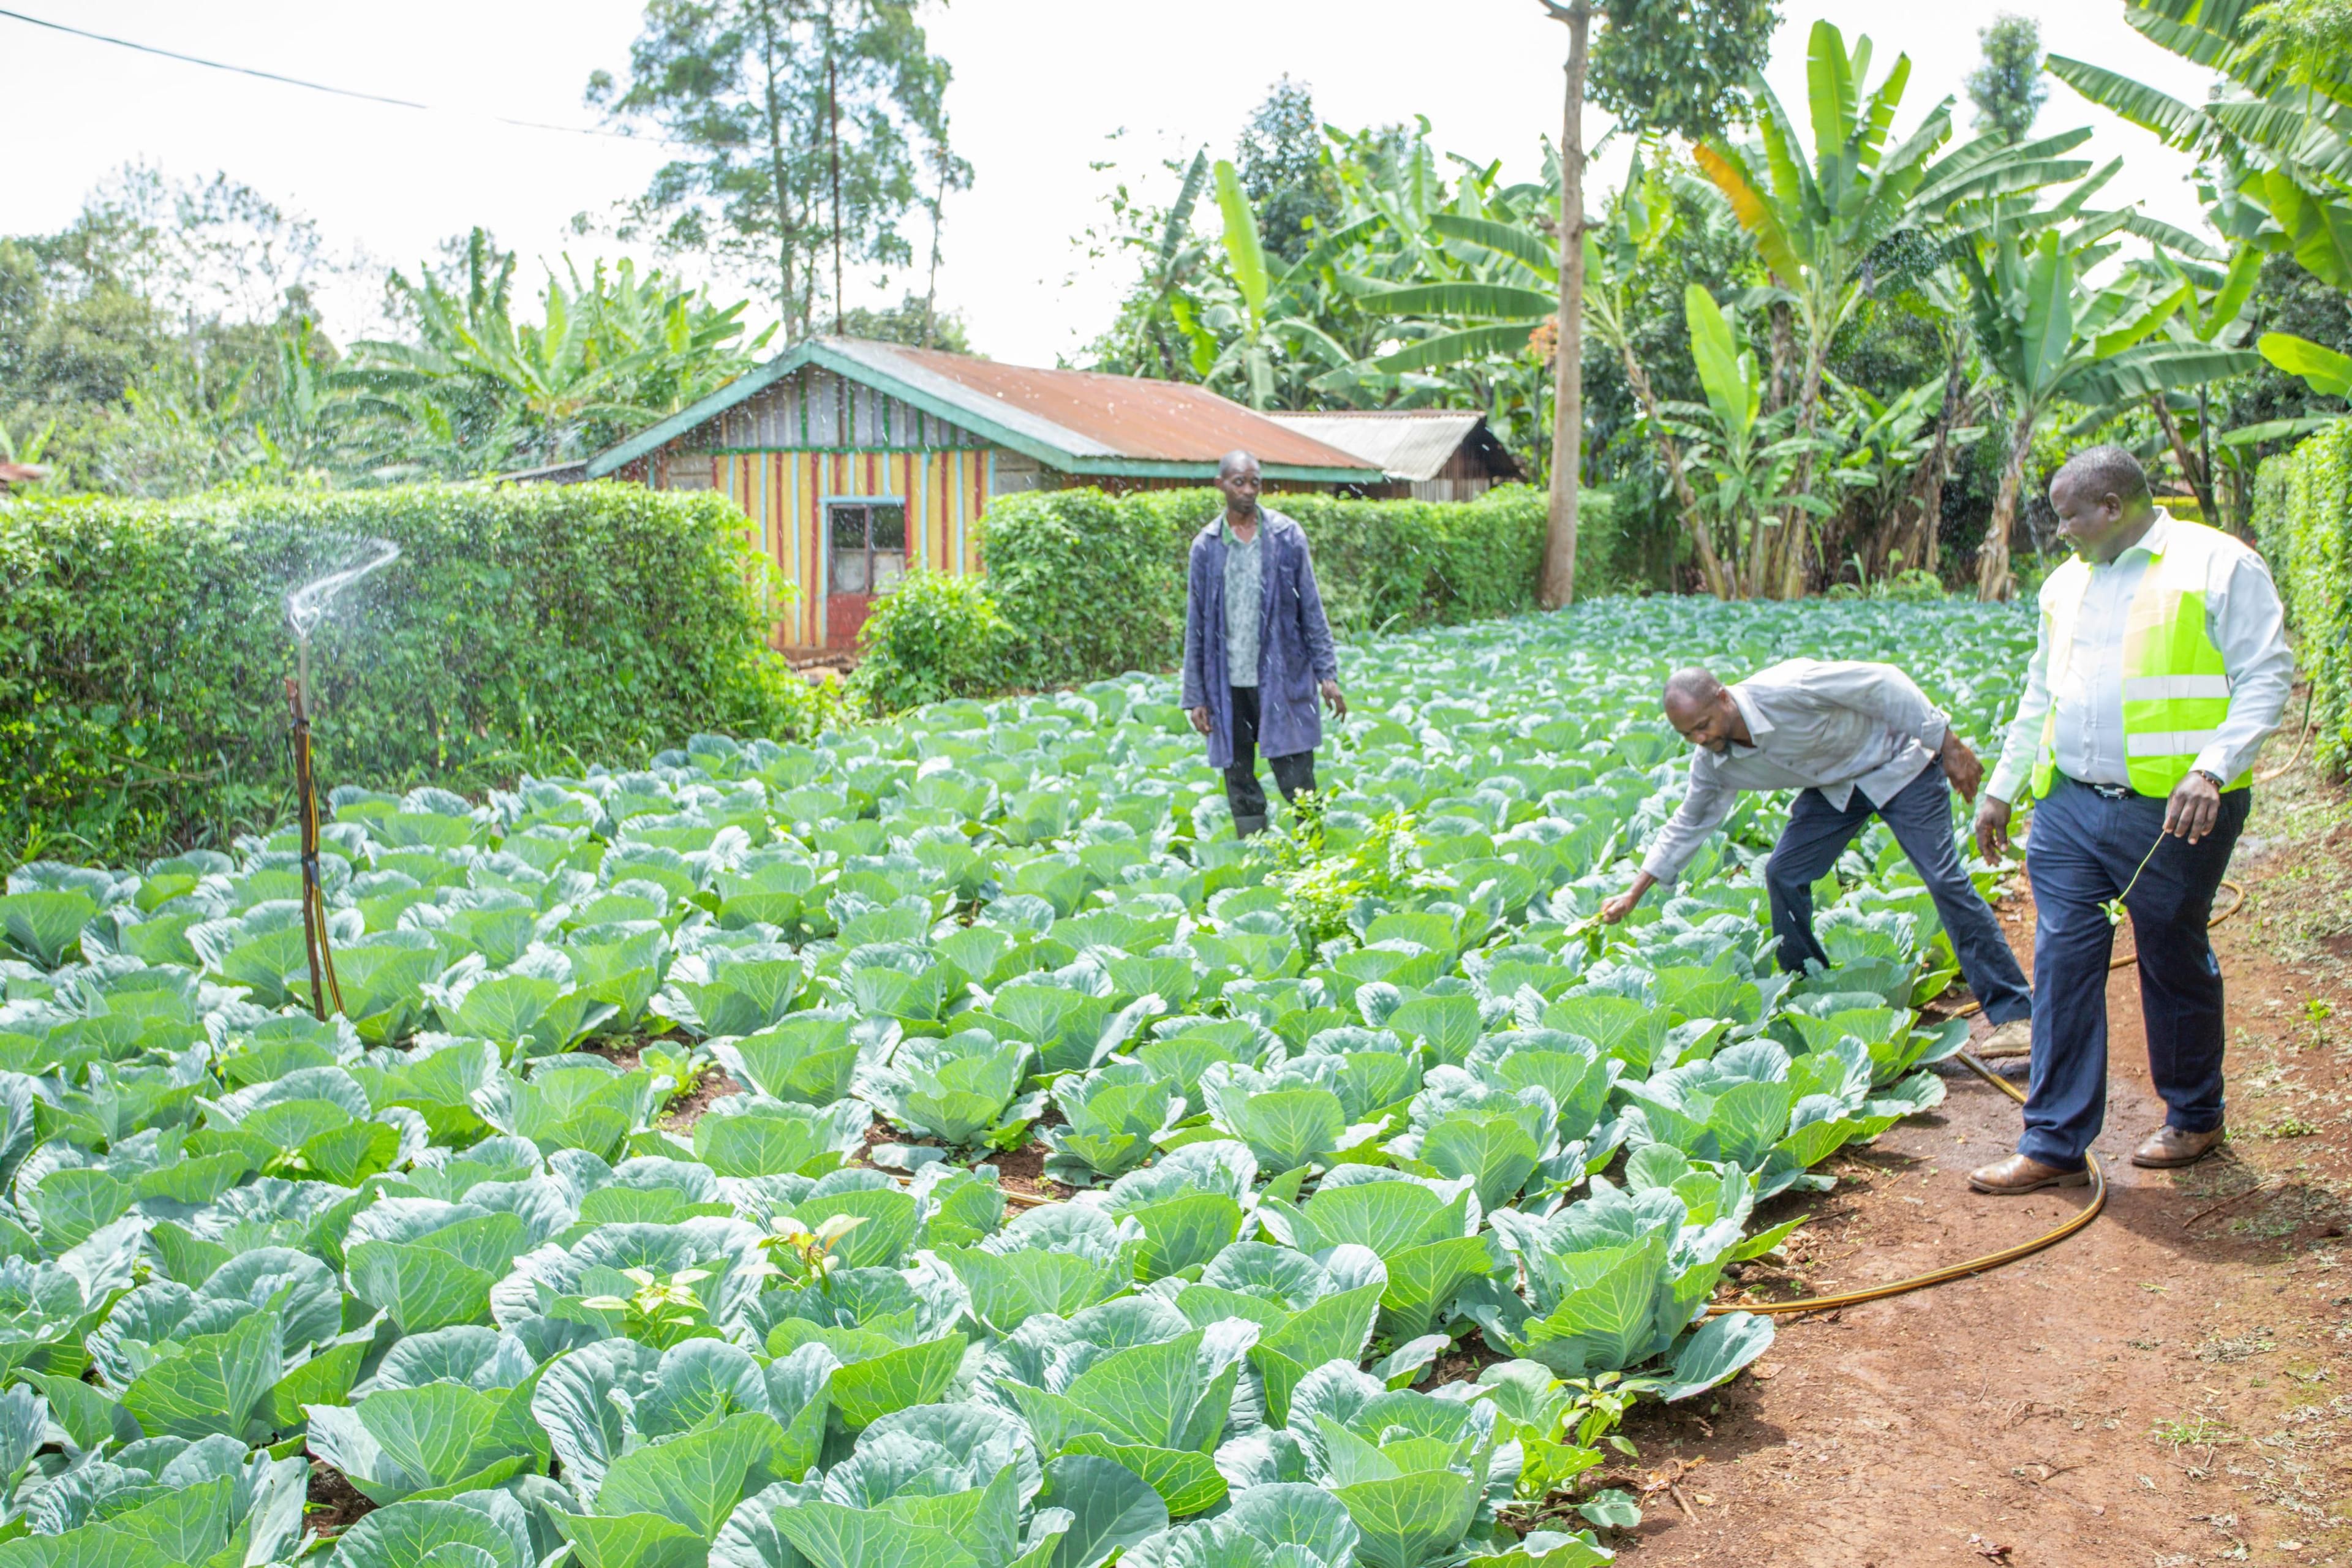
(2104, 791)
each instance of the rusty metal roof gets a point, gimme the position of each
(1080, 422)
(1406, 443)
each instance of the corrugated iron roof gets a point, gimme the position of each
(1404, 443)
(1080, 422)
(1088, 414)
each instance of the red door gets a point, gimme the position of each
(866, 555)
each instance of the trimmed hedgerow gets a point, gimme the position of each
(143, 649)
(2303, 516)
(1093, 584)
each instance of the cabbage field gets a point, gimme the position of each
(651, 1201)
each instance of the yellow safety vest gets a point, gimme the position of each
(2176, 685)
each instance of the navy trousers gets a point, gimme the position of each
(2084, 850)
(1292, 774)
(1920, 817)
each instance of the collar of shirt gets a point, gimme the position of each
(1757, 725)
(2159, 534)
(1225, 522)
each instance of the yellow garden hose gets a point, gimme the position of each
(1992, 1260)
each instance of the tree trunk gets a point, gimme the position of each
(1559, 585)
(832, 140)
(2190, 469)
(1993, 580)
(1798, 531)
(1710, 565)
(785, 230)
(1784, 344)
(1929, 532)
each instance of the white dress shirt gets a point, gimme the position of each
(2242, 616)
(1832, 725)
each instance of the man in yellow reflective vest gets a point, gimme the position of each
(2161, 666)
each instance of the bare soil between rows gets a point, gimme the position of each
(2169, 1388)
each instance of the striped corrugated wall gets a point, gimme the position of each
(785, 494)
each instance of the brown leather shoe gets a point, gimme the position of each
(2021, 1173)
(2169, 1148)
(2008, 1041)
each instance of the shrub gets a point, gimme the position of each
(144, 649)
(1094, 585)
(2303, 517)
(934, 636)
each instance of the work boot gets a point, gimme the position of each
(2008, 1041)
(2169, 1148)
(1245, 825)
(2022, 1173)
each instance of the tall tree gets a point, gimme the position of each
(1283, 172)
(2007, 85)
(1685, 67)
(812, 129)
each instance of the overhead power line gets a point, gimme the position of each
(136, 47)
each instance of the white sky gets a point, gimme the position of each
(1041, 86)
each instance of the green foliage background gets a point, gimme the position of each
(1094, 585)
(2302, 519)
(144, 649)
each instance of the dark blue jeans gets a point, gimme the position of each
(2083, 850)
(1920, 817)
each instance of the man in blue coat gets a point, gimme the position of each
(1257, 647)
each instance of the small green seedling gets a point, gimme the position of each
(807, 1255)
(659, 1311)
(2317, 1010)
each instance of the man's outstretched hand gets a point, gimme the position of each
(1960, 764)
(1200, 717)
(1992, 829)
(1332, 699)
(1618, 908)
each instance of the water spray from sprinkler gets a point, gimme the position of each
(306, 608)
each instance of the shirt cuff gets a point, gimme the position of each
(1932, 733)
(1660, 869)
(2215, 760)
(2007, 780)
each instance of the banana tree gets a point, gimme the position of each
(612, 351)
(1644, 215)
(1748, 461)
(2322, 369)
(2274, 142)
(2049, 334)
(2213, 302)
(1886, 451)
(1817, 222)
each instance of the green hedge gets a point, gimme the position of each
(1094, 585)
(144, 649)
(2303, 517)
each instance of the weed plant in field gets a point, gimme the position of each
(1327, 1107)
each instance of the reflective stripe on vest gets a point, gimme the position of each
(2176, 687)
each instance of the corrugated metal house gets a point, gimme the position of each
(859, 461)
(1426, 454)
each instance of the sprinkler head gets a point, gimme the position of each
(307, 605)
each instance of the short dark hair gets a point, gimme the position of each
(1232, 461)
(2107, 470)
(1694, 683)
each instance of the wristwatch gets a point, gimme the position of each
(2218, 783)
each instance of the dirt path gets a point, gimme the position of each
(2171, 1387)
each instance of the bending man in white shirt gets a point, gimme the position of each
(1856, 741)
(2161, 668)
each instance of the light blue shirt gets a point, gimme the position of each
(1833, 725)
(1245, 601)
(2243, 617)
